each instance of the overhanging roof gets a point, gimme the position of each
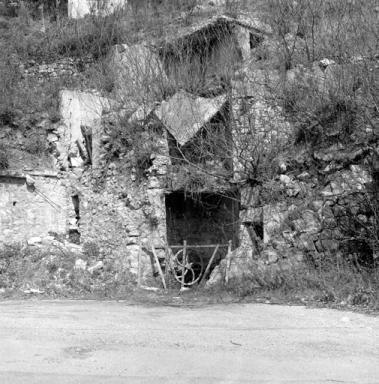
(184, 114)
(213, 25)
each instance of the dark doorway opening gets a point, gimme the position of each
(202, 219)
(76, 203)
(255, 40)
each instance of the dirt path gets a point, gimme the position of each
(88, 342)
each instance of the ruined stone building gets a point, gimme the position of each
(172, 185)
(168, 157)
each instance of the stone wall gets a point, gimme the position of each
(31, 209)
(260, 129)
(66, 67)
(320, 222)
(119, 219)
(46, 203)
(122, 209)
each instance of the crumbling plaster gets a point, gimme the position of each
(77, 109)
(32, 206)
(35, 203)
(184, 115)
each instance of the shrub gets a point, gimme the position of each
(36, 144)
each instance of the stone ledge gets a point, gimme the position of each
(23, 174)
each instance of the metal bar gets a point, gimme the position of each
(184, 261)
(209, 264)
(159, 267)
(139, 263)
(228, 262)
(196, 246)
(167, 262)
(51, 202)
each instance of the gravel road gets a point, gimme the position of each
(93, 342)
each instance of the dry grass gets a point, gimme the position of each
(51, 272)
(334, 284)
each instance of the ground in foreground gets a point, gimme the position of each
(115, 342)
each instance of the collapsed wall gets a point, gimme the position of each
(123, 213)
(127, 194)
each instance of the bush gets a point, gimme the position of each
(36, 144)
(135, 139)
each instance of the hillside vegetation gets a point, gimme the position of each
(333, 126)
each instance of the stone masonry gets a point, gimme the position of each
(32, 206)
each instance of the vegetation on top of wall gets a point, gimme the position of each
(28, 41)
(48, 39)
